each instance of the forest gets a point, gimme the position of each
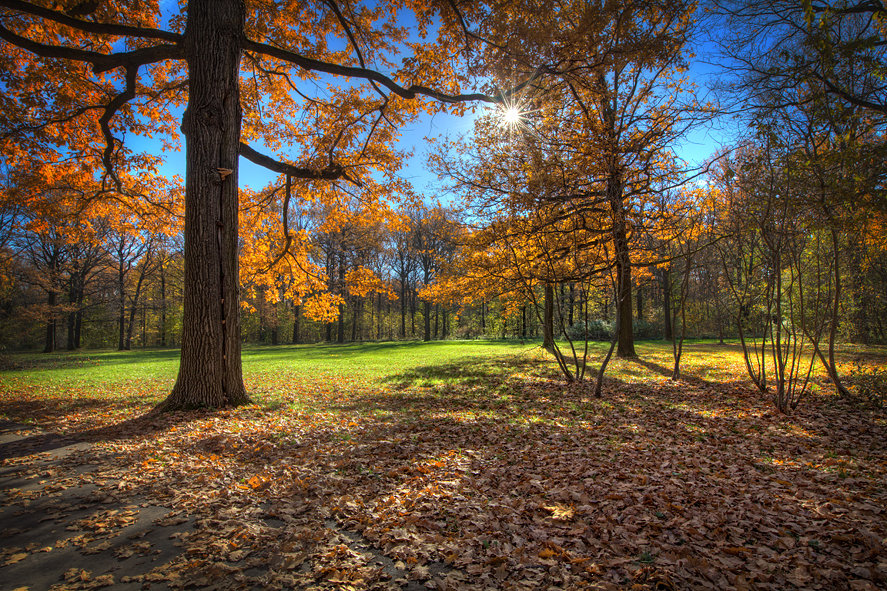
(647, 247)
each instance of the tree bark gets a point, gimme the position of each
(162, 304)
(426, 312)
(121, 304)
(548, 319)
(665, 279)
(49, 343)
(403, 309)
(625, 337)
(132, 312)
(210, 373)
(297, 314)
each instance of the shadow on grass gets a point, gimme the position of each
(667, 373)
(75, 360)
(325, 350)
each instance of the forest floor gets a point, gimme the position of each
(457, 465)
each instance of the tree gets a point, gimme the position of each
(228, 58)
(613, 107)
(838, 45)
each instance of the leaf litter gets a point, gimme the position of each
(498, 482)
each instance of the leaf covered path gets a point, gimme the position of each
(471, 471)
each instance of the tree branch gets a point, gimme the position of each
(88, 26)
(410, 92)
(101, 62)
(129, 93)
(330, 173)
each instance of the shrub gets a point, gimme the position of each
(870, 382)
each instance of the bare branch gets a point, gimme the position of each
(410, 92)
(330, 173)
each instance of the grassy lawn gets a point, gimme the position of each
(472, 465)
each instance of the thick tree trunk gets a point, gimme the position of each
(210, 373)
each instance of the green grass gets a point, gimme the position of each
(318, 377)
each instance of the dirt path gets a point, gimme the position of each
(65, 525)
(60, 530)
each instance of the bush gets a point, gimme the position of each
(597, 330)
(870, 382)
(602, 330)
(644, 329)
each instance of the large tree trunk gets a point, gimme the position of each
(210, 372)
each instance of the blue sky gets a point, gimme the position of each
(696, 148)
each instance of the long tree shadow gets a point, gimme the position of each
(142, 426)
(665, 372)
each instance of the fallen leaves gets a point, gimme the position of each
(499, 482)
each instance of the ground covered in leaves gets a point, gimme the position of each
(437, 466)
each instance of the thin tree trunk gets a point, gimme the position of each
(121, 305)
(403, 309)
(426, 312)
(162, 304)
(49, 343)
(548, 318)
(297, 316)
(665, 279)
(483, 318)
(132, 311)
